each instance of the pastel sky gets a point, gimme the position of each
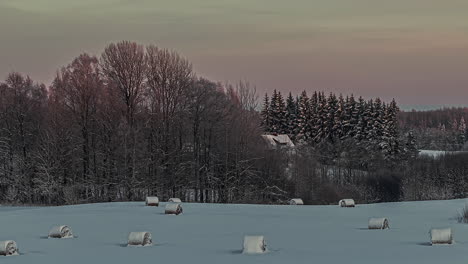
(413, 50)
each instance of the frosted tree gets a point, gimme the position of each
(303, 117)
(390, 138)
(339, 118)
(265, 114)
(291, 117)
(351, 117)
(462, 131)
(410, 145)
(321, 118)
(277, 113)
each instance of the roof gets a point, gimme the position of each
(278, 140)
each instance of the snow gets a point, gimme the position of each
(214, 233)
(438, 153)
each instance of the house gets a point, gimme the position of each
(278, 141)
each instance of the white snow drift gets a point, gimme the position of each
(8, 248)
(254, 245)
(140, 239)
(441, 236)
(62, 231)
(152, 201)
(378, 223)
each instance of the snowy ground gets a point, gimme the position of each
(213, 233)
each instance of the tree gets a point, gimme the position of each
(124, 66)
(79, 87)
(291, 117)
(266, 115)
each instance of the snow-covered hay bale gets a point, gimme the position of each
(140, 239)
(254, 245)
(441, 236)
(347, 203)
(61, 232)
(152, 201)
(8, 248)
(296, 201)
(173, 208)
(174, 200)
(378, 223)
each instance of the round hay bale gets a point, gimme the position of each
(254, 245)
(174, 200)
(61, 232)
(140, 239)
(173, 208)
(378, 223)
(152, 201)
(441, 236)
(296, 201)
(8, 248)
(346, 203)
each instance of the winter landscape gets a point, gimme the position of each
(248, 131)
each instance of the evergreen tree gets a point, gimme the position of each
(410, 146)
(351, 117)
(339, 119)
(278, 113)
(313, 102)
(321, 115)
(291, 117)
(303, 117)
(390, 138)
(265, 114)
(462, 132)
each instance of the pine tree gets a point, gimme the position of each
(339, 119)
(321, 118)
(362, 115)
(291, 117)
(303, 117)
(265, 114)
(390, 138)
(410, 146)
(351, 117)
(278, 113)
(312, 116)
(462, 132)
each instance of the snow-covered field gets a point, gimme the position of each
(213, 233)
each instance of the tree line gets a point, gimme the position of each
(333, 119)
(134, 121)
(442, 129)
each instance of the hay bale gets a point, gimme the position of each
(60, 232)
(254, 245)
(140, 239)
(174, 200)
(296, 201)
(173, 208)
(8, 248)
(441, 236)
(346, 203)
(378, 223)
(152, 201)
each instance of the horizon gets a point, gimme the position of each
(418, 56)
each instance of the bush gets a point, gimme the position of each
(463, 215)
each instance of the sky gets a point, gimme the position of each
(415, 51)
